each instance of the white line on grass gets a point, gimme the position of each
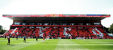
(68, 45)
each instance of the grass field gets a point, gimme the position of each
(57, 44)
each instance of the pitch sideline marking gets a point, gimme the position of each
(66, 44)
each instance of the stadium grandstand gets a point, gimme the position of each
(58, 26)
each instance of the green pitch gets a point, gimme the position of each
(57, 44)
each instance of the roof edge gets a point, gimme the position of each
(58, 15)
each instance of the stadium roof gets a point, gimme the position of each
(54, 17)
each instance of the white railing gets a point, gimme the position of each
(65, 29)
(100, 33)
(14, 31)
(94, 32)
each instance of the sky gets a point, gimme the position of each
(55, 7)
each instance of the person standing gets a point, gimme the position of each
(25, 39)
(8, 37)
